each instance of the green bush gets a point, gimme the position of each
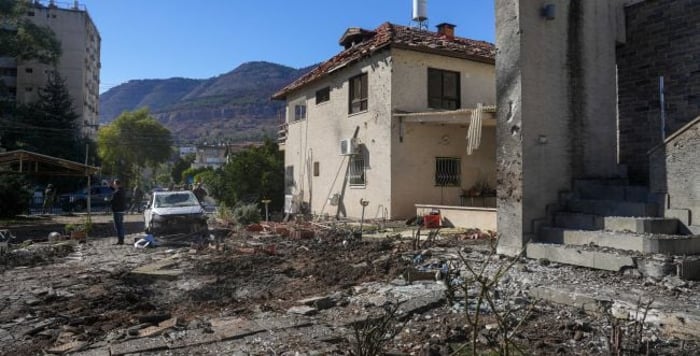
(246, 214)
(14, 195)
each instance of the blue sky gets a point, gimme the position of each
(146, 39)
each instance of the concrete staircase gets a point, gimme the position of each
(610, 225)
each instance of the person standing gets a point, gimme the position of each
(136, 198)
(118, 205)
(200, 193)
(49, 199)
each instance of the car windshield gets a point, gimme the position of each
(175, 200)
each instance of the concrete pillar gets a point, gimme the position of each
(555, 78)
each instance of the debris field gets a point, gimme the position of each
(318, 289)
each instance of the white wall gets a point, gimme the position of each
(413, 165)
(318, 139)
(399, 174)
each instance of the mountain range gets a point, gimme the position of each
(231, 107)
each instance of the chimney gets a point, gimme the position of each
(447, 30)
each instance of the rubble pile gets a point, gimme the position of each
(314, 288)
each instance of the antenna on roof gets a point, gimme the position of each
(420, 14)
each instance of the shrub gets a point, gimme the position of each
(245, 214)
(14, 195)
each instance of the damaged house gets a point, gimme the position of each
(401, 119)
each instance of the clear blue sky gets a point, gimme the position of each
(146, 39)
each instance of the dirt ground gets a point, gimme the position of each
(305, 289)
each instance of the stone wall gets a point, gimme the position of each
(662, 39)
(675, 171)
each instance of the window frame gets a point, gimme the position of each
(448, 172)
(441, 100)
(299, 111)
(361, 103)
(323, 95)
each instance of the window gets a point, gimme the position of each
(316, 169)
(447, 171)
(28, 70)
(28, 89)
(356, 171)
(299, 112)
(323, 95)
(30, 13)
(443, 89)
(358, 94)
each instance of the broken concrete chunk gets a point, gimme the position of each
(302, 310)
(319, 303)
(157, 330)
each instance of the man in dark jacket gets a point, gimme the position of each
(118, 204)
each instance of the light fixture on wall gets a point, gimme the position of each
(548, 11)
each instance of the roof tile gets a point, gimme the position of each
(391, 35)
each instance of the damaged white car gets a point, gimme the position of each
(176, 212)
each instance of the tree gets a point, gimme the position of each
(14, 195)
(133, 141)
(252, 175)
(48, 125)
(181, 164)
(24, 40)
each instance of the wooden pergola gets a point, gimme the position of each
(32, 163)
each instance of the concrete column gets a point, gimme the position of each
(555, 78)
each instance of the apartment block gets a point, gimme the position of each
(79, 64)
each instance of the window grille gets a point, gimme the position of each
(447, 171)
(356, 173)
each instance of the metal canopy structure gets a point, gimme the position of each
(32, 163)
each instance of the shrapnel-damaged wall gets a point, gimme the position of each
(556, 107)
(675, 170)
(663, 39)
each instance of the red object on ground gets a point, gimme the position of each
(431, 221)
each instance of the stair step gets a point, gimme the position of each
(612, 192)
(577, 256)
(629, 241)
(642, 225)
(655, 266)
(612, 207)
(581, 221)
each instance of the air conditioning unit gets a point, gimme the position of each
(348, 146)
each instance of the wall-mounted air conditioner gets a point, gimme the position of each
(348, 146)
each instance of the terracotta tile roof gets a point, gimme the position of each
(396, 36)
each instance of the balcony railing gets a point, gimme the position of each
(282, 133)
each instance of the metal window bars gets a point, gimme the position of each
(447, 171)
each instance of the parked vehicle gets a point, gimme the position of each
(174, 213)
(77, 201)
(37, 198)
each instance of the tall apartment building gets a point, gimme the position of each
(79, 64)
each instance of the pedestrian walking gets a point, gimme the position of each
(118, 205)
